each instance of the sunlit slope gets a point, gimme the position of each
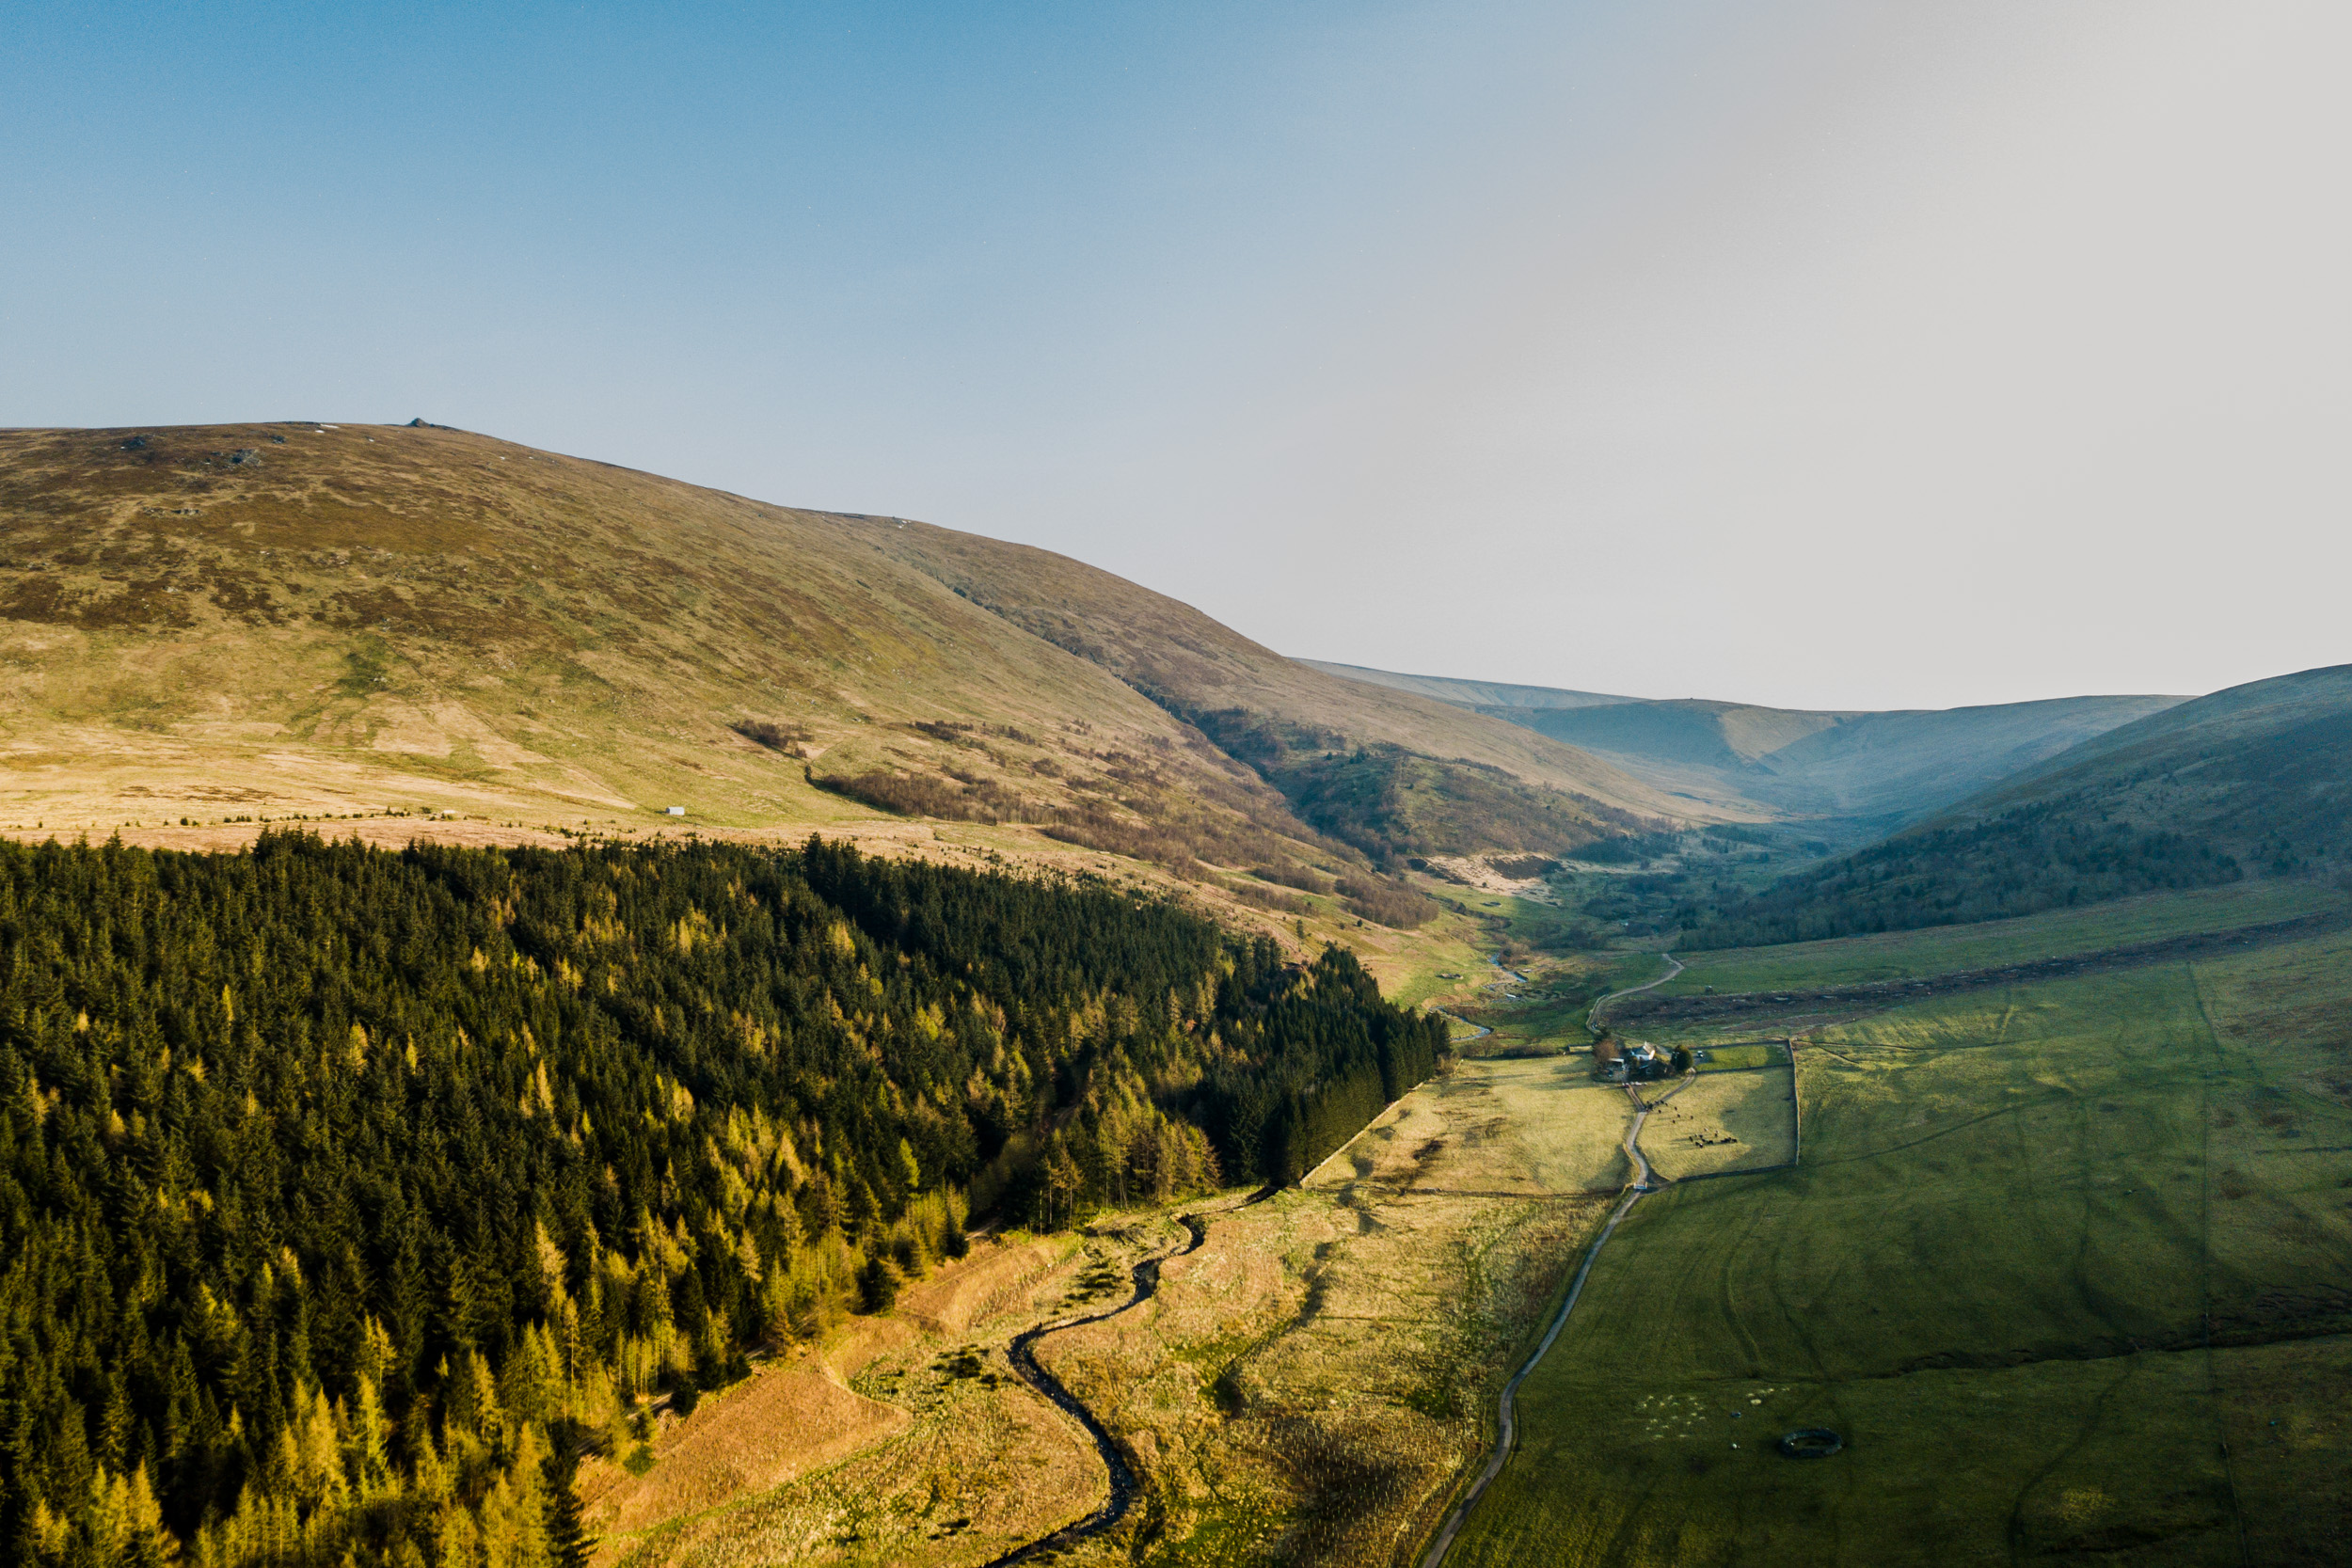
(1279, 713)
(1896, 766)
(212, 620)
(2253, 780)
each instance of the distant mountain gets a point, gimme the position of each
(304, 619)
(1470, 694)
(2253, 780)
(1883, 768)
(2262, 770)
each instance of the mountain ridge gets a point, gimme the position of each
(311, 619)
(1881, 767)
(2253, 780)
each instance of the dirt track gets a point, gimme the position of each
(1880, 993)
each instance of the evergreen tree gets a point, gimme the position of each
(340, 1187)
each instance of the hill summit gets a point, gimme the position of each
(309, 619)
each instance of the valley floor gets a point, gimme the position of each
(2064, 1264)
(1306, 1386)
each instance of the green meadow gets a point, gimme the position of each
(2069, 1266)
(1953, 949)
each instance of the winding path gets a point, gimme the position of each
(1592, 1013)
(1506, 1407)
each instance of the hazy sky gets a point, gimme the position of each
(1817, 353)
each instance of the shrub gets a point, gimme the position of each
(1390, 904)
(908, 795)
(788, 738)
(1267, 898)
(1284, 874)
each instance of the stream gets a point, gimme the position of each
(1023, 1354)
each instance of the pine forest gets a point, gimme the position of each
(348, 1196)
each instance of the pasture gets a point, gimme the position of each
(1951, 949)
(1720, 1121)
(2058, 1257)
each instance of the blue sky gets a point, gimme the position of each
(1998, 346)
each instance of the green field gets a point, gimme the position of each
(1951, 949)
(1547, 1012)
(1740, 1058)
(2056, 1260)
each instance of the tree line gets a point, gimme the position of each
(347, 1197)
(2046, 856)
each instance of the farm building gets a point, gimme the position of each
(1639, 1063)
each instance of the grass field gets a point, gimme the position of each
(1541, 1125)
(2057, 1258)
(1308, 1386)
(1722, 1122)
(1949, 949)
(1740, 1058)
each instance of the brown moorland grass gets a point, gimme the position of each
(209, 622)
(215, 621)
(1304, 1387)
(899, 1437)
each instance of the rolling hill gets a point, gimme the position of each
(2252, 781)
(305, 619)
(1881, 768)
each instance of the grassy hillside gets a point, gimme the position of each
(1222, 682)
(2259, 768)
(2256, 779)
(1892, 765)
(1912, 761)
(1940, 950)
(1462, 693)
(1730, 736)
(354, 615)
(302, 619)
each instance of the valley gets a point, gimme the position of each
(2052, 1263)
(1303, 1385)
(967, 1060)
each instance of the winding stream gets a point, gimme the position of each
(1023, 1354)
(1123, 1482)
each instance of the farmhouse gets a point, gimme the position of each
(1639, 1063)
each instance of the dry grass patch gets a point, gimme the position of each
(787, 1419)
(902, 1438)
(1311, 1384)
(1493, 1128)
